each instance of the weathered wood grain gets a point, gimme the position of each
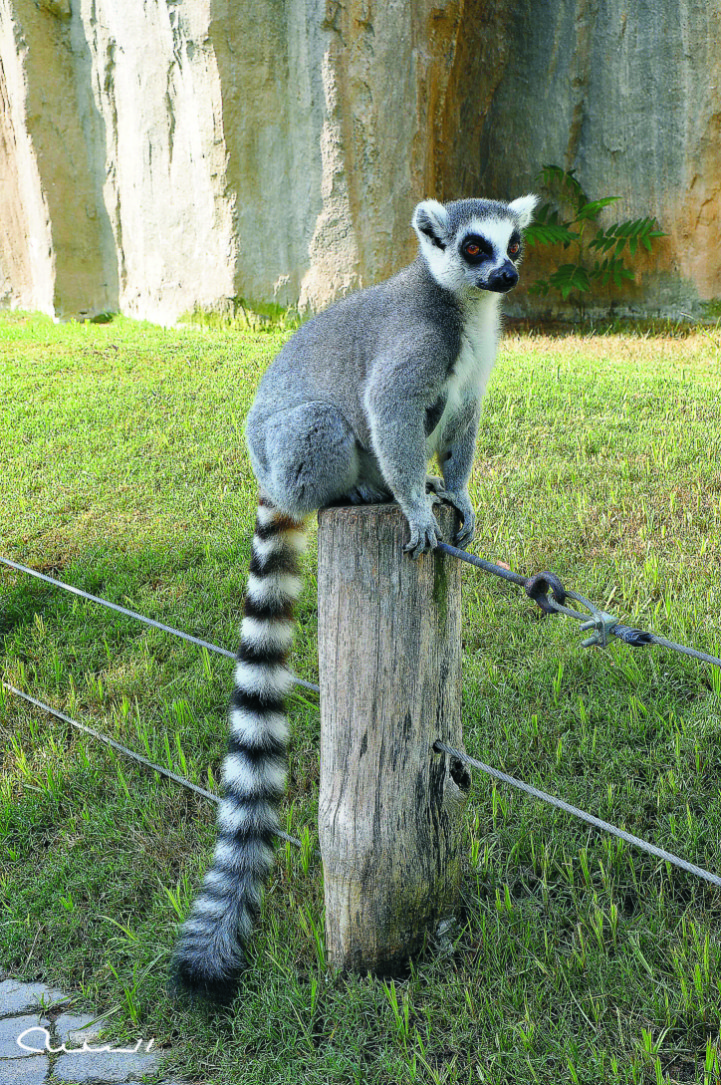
(389, 647)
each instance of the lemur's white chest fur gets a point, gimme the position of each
(469, 376)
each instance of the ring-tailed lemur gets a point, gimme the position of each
(351, 409)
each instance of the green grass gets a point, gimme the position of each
(578, 959)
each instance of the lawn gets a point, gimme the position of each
(577, 958)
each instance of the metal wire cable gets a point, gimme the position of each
(537, 587)
(438, 746)
(138, 617)
(597, 822)
(131, 753)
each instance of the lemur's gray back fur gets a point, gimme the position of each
(351, 409)
(331, 358)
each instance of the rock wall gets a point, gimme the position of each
(112, 115)
(629, 95)
(158, 155)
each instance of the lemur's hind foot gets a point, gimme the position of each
(435, 485)
(366, 494)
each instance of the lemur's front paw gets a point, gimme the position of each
(425, 534)
(460, 502)
(468, 530)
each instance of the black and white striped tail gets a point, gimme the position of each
(209, 955)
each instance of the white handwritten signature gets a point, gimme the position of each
(86, 1049)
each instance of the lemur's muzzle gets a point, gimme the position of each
(502, 279)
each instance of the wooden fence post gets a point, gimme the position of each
(389, 645)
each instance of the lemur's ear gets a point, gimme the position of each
(430, 221)
(524, 207)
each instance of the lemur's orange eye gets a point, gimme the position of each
(513, 248)
(472, 249)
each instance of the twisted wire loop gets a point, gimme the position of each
(604, 625)
(660, 853)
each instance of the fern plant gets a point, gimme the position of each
(601, 252)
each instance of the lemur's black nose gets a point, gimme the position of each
(503, 278)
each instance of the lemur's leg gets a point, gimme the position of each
(456, 459)
(399, 444)
(304, 457)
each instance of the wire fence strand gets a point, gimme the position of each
(131, 753)
(138, 617)
(537, 588)
(660, 853)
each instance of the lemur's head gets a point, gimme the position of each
(472, 245)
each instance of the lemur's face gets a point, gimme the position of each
(473, 245)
